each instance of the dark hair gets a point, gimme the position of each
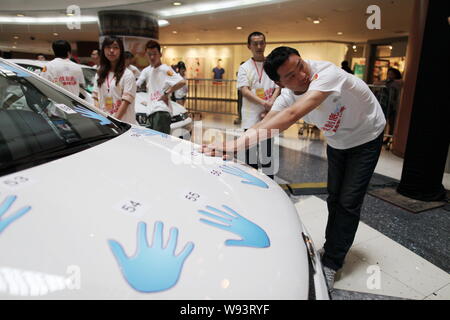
(128, 55)
(344, 63)
(105, 65)
(253, 34)
(61, 48)
(181, 65)
(275, 59)
(397, 73)
(151, 44)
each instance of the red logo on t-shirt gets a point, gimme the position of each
(334, 120)
(67, 80)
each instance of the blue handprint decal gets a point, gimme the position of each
(248, 178)
(4, 207)
(252, 235)
(154, 268)
(91, 114)
(149, 132)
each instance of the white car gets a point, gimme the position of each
(181, 125)
(94, 208)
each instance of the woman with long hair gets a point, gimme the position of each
(114, 84)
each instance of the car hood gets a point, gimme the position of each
(83, 209)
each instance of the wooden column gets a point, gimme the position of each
(428, 135)
(410, 76)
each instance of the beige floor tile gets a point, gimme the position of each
(441, 294)
(402, 264)
(359, 276)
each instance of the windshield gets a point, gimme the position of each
(89, 75)
(32, 68)
(39, 124)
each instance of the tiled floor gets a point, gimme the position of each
(376, 267)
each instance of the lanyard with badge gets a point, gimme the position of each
(259, 91)
(108, 98)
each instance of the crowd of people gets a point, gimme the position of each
(276, 92)
(117, 80)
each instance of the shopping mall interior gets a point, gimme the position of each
(408, 242)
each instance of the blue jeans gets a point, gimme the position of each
(349, 174)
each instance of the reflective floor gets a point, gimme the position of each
(396, 254)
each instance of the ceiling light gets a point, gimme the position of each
(239, 28)
(46, 20)
(390, 47)
(354, 47)
(14, 47)
(20, 15)
(16, 37)
(210, 6)
(177, 3)
(174, 32)
(340, 33)
(58, 20)
(163, 23)
(316, 21)
(55, 34)
(69, 14)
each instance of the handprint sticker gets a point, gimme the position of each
(251, 234)
(93, 115)
(148, 132)
(152, 268)
(248, 178)
(4, 207)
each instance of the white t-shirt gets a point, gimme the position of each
(110, 95)
(350, 116)
(135, 71)
(158, 80)
(182, 92)
(251, 74)
(65, 74)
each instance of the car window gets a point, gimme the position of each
(39, 123)
(89, 75)
(32, 68)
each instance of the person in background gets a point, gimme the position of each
(181, 94)
(40, 57)
(128, 59)
(259, 93)
(114, 85)
(218, 72)
(345, 66)
(161, 81)
(95, 58)
(389, 99)
(62, 71)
